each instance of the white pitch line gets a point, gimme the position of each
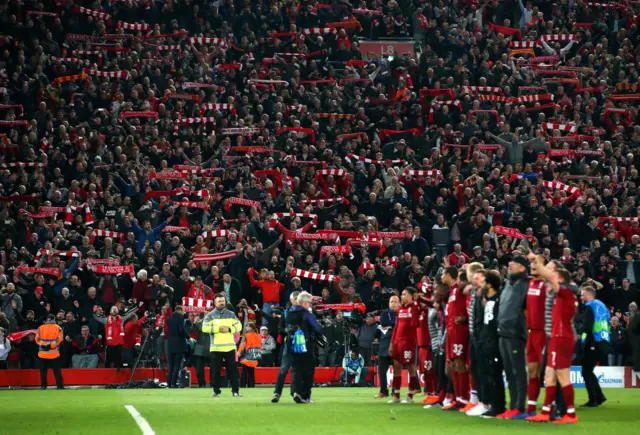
(142, 423)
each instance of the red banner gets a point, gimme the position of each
(387, 48)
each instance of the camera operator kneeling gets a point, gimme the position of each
(355, 373)
(301, 326)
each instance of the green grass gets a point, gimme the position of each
(336, 411)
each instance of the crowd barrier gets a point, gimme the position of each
(608, 377)
(86, 377)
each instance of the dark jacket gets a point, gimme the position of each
(235, 291)
(511, 321)
(387, 318)
(178, 335)
(633, 332)
(298, 317)
(203, 342)
(619, 340)
(488, 337)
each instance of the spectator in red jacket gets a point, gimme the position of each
(132, 329)
(270, 287)
(457, 254)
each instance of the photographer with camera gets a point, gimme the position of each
(383, 335)
(301, 326)
(354, 370)
(337, 331)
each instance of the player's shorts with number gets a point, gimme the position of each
(536, 341)
(404, 351)
(560, 352)
(425, 360)
(458, 343)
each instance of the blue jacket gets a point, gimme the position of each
(599, 329)
(146, 239)
(64, 281)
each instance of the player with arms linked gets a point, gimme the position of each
(561, 343)
(404, 342)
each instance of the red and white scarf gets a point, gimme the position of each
(320, 31)
(511, 232)
(242, 202)
(194, 305)
(41, 270)
(322, 201)
(214, 257)
(107, 233)
(561, 127)
(315, 276)
(100, 15)
(340, 249)
(110, 74)
(560, 186)
(349, 157)
(113, 270)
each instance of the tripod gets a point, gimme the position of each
(135, 365)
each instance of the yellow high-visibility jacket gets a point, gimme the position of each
(221, 341)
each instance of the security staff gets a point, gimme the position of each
(222, 324)
(595, 340)
(300, 326)
(48, 338)
(285, 361)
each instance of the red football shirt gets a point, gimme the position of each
(406, 323)
(536, 298)
(424, 338)
(564, 309)
(456, 306)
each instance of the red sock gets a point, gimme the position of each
(533, 391)
(413, 385)
(455, 379)
(568, 393)
(549, 397)
(464, 387)
(397, 383)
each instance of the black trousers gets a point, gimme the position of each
(592, 357)
(285, 366)
(113, 357)
(441, 371)
(495, 385)
(248, 377)
(175, 362)
(54, 364)
(201, 363)
(384, 362)
(478, 370)
(230, 364)
(512, 352)
(303, 368)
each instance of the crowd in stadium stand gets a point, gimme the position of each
(154, 151)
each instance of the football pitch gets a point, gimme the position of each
(335, 411)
